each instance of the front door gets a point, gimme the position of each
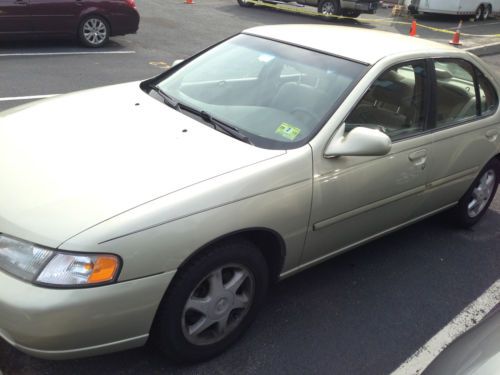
(357, 198)
(14, 17)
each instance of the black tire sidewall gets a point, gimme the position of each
(84, 41)
(167, 329)
(460, 212)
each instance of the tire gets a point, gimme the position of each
(479, 13)
(329, 8)
(352, 13)
(94, 31)
(211, 302)
(482, 191)
(487, 12)
(245, 4)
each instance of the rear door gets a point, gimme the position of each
(55, 16)
(465, 131)
(14, 17)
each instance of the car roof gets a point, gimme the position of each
(367, 46)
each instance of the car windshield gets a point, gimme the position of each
(277, 95)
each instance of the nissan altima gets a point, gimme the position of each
(167, 210)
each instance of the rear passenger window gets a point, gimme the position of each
(455, 92)
(488, 95)
(395, 103)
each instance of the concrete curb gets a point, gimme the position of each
(486, 49)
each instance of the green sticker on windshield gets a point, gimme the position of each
(288, 131)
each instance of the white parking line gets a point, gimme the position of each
(18, 98)
(66, 53)
(469, 317)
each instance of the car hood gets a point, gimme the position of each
(70, 162)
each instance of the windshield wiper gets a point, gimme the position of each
(167, 99)
(216, 123)
(228, 129)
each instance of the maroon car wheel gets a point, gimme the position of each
(94, 31)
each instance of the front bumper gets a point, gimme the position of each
(71, 323)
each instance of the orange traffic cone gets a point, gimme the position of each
(413, 28)
(189, 2)
(456, 37)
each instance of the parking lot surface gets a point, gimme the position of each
(364, 312)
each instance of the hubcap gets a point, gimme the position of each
(218, 304)
(94, 31)
(328, 9)
(481, 194)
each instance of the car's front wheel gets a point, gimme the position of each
(245, 3)
(479, 13)
(94, 31)
(211, 302)
(475, 202)
(329, 8)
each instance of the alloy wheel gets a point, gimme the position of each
(328, 9)
(95, 31)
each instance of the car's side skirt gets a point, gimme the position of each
(323, 258)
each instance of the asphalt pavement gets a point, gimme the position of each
(363, 312)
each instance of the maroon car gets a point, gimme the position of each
(91, 21)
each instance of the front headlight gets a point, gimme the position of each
(37, 264)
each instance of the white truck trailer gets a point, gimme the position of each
(479, 9)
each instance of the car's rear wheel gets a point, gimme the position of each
(211, 302)
(329, 8)
(245, 3)
(94, 31)
(352, 13)
(475, 202)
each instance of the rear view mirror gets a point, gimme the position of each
(360, 141)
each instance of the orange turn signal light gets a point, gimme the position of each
(105, 269)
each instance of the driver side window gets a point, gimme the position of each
(395, 103)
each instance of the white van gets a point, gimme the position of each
(480, 9)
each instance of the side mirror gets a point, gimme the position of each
(177, 62)
(359, 141)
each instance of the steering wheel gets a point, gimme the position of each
(311, 117)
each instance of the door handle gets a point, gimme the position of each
(418, 158)
(492, 135)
